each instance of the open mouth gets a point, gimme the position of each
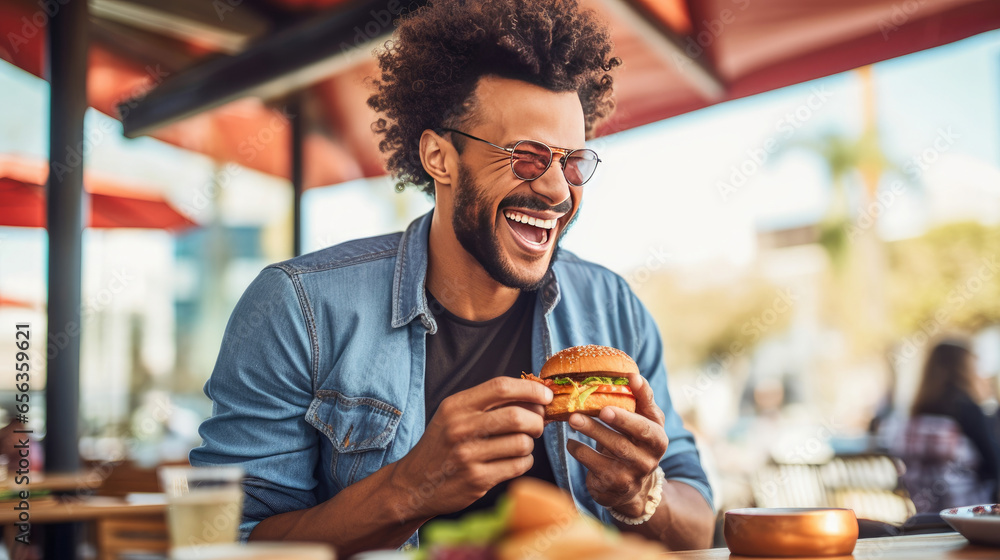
(533, 231)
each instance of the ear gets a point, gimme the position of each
(438, 157)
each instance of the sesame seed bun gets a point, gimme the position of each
(589, 360)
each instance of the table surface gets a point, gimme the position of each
(89, 508)
(946, 546)
(63, 482)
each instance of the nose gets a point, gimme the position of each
(552, 185)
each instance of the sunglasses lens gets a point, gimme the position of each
(580, 166)
(530, 159)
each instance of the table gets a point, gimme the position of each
(944, 546)
(87, 508)
(83, 480)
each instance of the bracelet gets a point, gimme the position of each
(652, 502)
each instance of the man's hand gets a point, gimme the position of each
(477, 438)
(619, 471)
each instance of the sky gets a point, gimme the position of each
(690, 190)
(657, 193)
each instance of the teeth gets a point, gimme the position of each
(519, 217)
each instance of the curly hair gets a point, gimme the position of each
(432, 65)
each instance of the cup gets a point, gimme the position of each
(256, 551)
(204, 504)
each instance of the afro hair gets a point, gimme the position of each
(440, 51)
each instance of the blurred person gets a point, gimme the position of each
(373, 386)
(950, 445)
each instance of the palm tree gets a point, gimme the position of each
(855, 162)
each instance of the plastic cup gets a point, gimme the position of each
(204, 504)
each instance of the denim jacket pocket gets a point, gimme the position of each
(360, 430)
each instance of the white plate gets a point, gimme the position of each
(980, 524)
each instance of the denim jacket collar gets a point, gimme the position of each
(409, 294)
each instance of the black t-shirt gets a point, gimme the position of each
(463, 354)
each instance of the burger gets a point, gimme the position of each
(586, 379)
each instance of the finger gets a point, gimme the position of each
(645, 400)
(499, 447)
(598, 464)
(531, 407)
(604, 474)
(614, 444)
(509, 420)
(506, 469)
(644, 432)
(503, 390)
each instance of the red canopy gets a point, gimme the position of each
(112, 203)
(680, 55)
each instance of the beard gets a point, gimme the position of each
(475, 227)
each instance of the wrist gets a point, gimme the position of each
(408, 505)
(648, 500)
(636, 506)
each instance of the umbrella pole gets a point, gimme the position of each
(67, 73)
(295, 109)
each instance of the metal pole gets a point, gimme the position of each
(67, 74)
(296, 108)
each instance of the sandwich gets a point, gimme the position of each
(586, 379)
(534, 520)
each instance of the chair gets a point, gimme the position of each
(867, 483)
(121, 538)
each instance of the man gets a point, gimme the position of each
(373, 386)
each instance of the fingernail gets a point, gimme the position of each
(576, 421)
(607, 414)
(549, 395)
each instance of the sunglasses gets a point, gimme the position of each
(530, 159)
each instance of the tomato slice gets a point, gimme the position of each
(570, 389)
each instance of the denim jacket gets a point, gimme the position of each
(320, 377)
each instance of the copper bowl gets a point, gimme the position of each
(791, 531)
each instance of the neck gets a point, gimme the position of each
(458, 281)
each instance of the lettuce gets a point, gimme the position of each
(586, 393)
(478, 528)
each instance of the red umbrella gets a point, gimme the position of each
(680, 55)
(113, 204)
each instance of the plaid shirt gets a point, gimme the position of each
(942, 464)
